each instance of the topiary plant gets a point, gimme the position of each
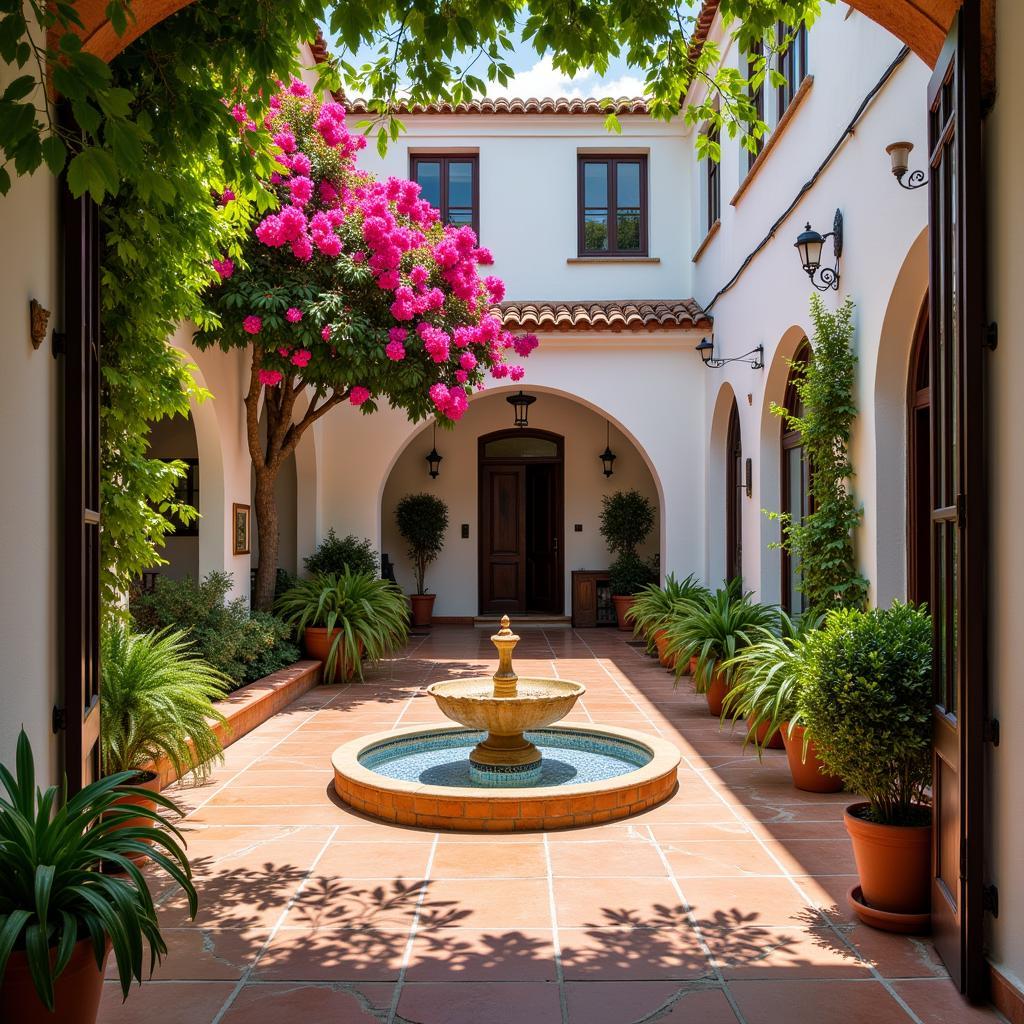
(422, 520)
(336, 554)
(866, 698)
(627, 517)
(629, 574)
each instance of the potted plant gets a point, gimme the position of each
(652, 610)
(627, 517)
(422, 520)
(60, 914)
(714, 630)
(867, 700)
(336, 554)
(345, 620)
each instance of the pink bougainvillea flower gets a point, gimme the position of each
(467, 361)
(300, 163)
(461, 376)
(225, 267)
(301, 189)
(326, 332)
(301, 357)
(271, 378)
(359, 395)
(283, 351)
(298, 87)
(395, 351)
(294, 315)
(226, 197)
(516, 373)
(252, 324)
(239, 113)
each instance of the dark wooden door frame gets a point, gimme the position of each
(483, 507)
(959, 501)
(788, 440)
(733, 486)
(919, 403)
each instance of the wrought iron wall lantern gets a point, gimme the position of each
(607, 457)
(521, 403)
(899, 154)
(434, 459)
(809, 245)
(707, 353)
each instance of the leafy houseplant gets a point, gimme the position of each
(59, 912)
(346, 619)
(867, 700)
(336, 554)
(156, 703)
(627, 517)
(422, 520)
(714, 630)
(653, 607)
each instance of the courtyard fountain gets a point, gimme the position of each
(507, 765)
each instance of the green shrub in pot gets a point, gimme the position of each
(422, 520)
(156, 701)
(627, 517)
(336, 554)
(365, 617)
(629, 574)
(57, 905)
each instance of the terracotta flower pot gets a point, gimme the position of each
(318, 646)
(76, 993)
(150, 781)
(807, 774)
(716, 694)
(623, 602)
(661, 642)
(422, 608)
(692, 669)
(893, 862)
(759, 733)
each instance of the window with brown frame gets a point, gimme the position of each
(450, 182)
(796, 482)
(612, 205)
(756, 100)
(712, 185)
(792, 64)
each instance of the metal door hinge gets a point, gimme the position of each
(990, 733)
(990, 899)
(59, 719)
(990, 336)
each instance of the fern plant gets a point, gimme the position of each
(714, 629)
(156, 701)
(654, 605)
(766, 677)
(370, 615)
(53, 892)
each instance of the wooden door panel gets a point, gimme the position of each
(502, 539)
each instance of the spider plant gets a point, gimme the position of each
(370, 616)
(53, 893)
(714, 629)
(766, 677)
(156, 702)
(653, 606)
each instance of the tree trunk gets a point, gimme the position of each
(269, 539)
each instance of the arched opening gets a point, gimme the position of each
(795, 480)
(734, 485)
(919, 425)
(174, 439)
(556, 419)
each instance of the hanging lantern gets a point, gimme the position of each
(433, 458)
(607, 457)
(521, 403)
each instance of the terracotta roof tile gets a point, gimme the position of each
(702, 26)
(319, 48)
(613, 315)
(546, 105)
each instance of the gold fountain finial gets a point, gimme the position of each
(505, 679)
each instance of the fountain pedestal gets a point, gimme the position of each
(506, 707)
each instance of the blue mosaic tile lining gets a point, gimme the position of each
(442, 758)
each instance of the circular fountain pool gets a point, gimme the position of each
(423, 776)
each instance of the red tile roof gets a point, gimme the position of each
(702, 26)
(547, 105)
(612, 315)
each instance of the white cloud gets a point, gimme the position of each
(543, 80)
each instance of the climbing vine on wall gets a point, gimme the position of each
(821, 546)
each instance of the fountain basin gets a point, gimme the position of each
(562, 798)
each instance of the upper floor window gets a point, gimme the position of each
(612, 212)
(756, 100)
(450, 182)
(792, 63)
(712, 184)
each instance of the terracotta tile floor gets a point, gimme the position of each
(725, 905)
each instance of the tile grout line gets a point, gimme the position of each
(823, 917)
(695, 925)
(555, 940)
(407, 954)
(243, 980)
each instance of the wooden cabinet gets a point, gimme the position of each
(591, 599)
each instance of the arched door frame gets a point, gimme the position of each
(790, 441)
(919, 557)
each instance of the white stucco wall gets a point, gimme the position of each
(31, 426)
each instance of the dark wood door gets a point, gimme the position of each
(502, 538)
(545, 589)
(734, 498)
(958, 500)
(919, 469)
(79, 716)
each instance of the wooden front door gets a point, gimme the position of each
(958, 500)
(78, 718)
(521, 523)
(734, 498)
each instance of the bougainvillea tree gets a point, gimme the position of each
(349, 290)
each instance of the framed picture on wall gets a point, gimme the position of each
(240, 517)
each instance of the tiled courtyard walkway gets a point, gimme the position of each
(726, 904)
